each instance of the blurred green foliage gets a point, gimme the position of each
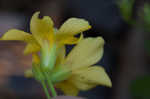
(126, 9)
(146, 26)
(140, 88)
(146, 17)
(147, 46)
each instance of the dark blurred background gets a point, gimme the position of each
(126, 54)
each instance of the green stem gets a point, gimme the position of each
(45, 89)
(51, 87)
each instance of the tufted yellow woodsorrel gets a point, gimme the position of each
(50, 66)
(46, 38)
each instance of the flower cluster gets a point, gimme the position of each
(50, 65)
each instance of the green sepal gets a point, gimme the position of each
(59, 74)
(48, 57)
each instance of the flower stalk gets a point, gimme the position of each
(45, 89)
(51, 87)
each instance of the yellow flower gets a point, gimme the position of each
(84, 75)
(46, 39)
(44, 34)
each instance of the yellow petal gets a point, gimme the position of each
(32, 48)
(35, 58)
(73, 26)
(42, 29)
(86, 53)
(64, 39)
(15, 34)
(87, 78)
(82, 85)
(68, 88)
(61, 55)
